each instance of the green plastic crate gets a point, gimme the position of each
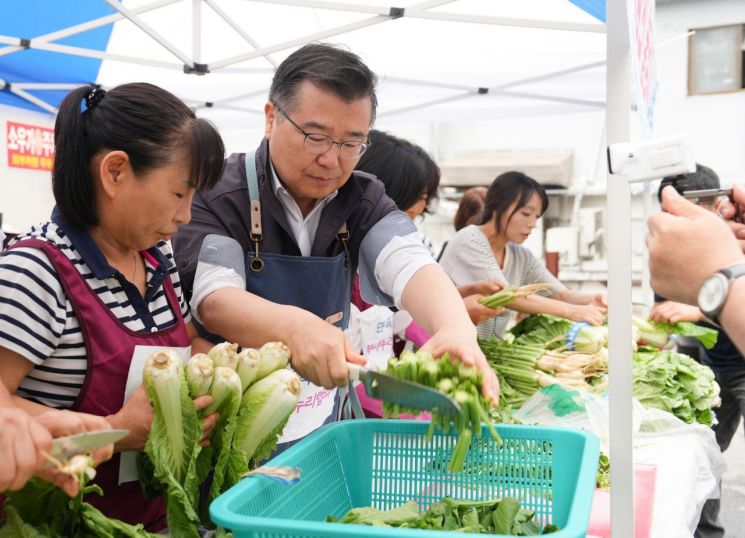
(384, 463)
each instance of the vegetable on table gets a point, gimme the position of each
(658, 334)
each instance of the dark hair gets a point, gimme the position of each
(470, 207)
(330, 68)
(405, 169)
(703, 178)
(507, 189)
(146, 122)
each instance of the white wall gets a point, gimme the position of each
(25, 195)
(715, 124)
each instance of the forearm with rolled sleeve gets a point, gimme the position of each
(390, 254)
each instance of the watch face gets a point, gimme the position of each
(712, 293)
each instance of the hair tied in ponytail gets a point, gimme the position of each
(93, 98)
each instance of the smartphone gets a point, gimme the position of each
(711, 195)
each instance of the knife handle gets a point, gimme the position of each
(354, 371)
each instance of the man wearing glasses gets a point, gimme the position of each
(271, 251)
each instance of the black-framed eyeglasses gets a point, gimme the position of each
(317, 143)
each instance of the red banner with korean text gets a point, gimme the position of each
(30, 146)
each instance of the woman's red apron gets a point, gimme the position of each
(109, 346)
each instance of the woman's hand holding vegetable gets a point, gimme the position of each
(137, 416)
(482, 287)
(208, 422)
(601, 300)
(461, 343)
(478, 312)
(62, 423)
(22, 442)
(589, 313)
(672, 312)
(320, 351)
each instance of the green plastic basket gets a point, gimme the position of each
(385, 463)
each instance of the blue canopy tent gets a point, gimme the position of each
(52, 46)
(35, 78)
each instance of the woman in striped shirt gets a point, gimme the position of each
(79, 293)
(493, 250)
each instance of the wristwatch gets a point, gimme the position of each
(714, 291)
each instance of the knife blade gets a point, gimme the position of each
(64, 448)
(406, 393)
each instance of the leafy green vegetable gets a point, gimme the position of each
(603, 478)
(173, 442)
(486, 517)
(675, 383)
(460, 382)
(656, 334)
(41, 509)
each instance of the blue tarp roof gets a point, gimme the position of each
(30, 19)
(33, 18)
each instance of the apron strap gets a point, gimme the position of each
(257, 264)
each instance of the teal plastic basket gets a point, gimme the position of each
(385, 463)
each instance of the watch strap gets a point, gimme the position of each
(736, 271)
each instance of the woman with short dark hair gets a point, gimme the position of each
(82, 291)
(492, 249)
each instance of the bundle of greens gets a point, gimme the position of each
(507, 296)
(573, 370)
(515, 366)
(560, 334)
(486, 517)
(675, 383)
(42, 510)
(462, 383)
(254, 395)
(658, 334)
(603, 478)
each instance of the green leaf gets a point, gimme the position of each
(15, 527)
(505, 514)
(181, 498)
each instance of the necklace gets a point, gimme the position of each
(134, 272)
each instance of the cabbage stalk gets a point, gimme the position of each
(225, 354)
(200, 371)
(264, 411)
(249, 361)
(274, 355)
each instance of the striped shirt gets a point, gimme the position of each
(37, 320)
(468, 258)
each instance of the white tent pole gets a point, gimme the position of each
(78, 28)
(196, 29)
(101, 21)
(32, 99)
(428, 83)
(10, 50)
(506, 21)
(647, 294)
(618, 206)
(44, 86)
(91, 53)
(547, 76)
(238, 108)
(429, 103)
(338, 6)
(263, 91)
(422, 13)
(142, 25)
(296, 42)
(567, 100)
(235, 26)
